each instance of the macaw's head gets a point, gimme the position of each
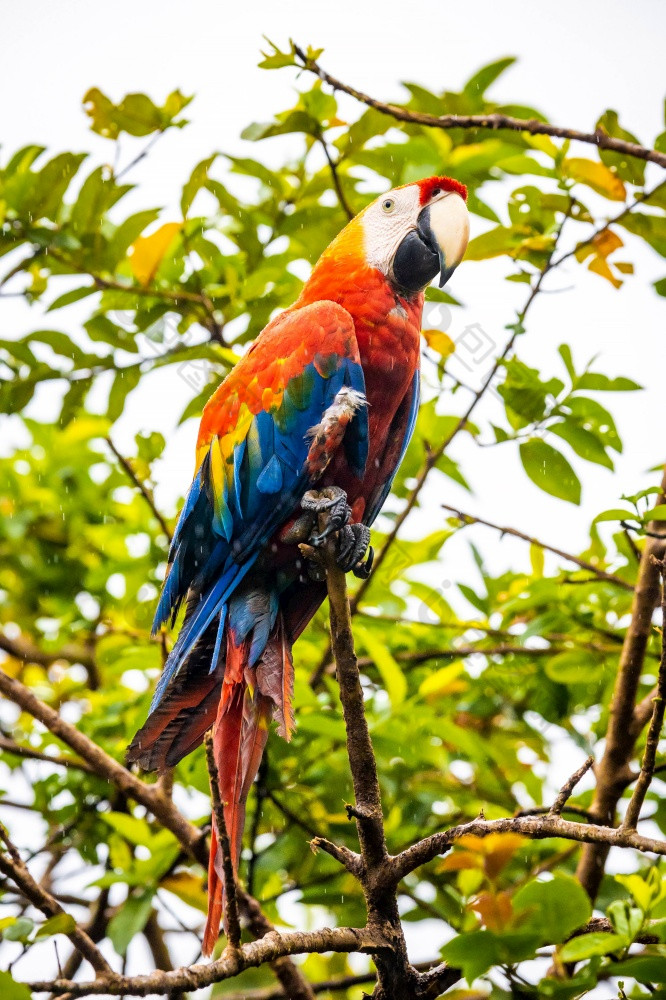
(411, 234)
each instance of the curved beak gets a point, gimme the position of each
(448, 221)
(436, 246)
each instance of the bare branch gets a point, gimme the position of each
(194, 977)
(601, 574)
(344, 204)
(490, 121)
(359, 746)
(534, 827)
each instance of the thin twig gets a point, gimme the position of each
(492, 121)
(142, 488)
(13, 867)
(8, 745)
(231, 918)
(601, 574)
(567, 788)
(344, 204)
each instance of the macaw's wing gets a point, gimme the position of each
(252, 470)
(398, 438)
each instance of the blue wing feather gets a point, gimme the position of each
(218, 539)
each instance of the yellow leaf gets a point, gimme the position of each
(148, 252)
(495, 909)
(599, 266)
(606, 242)
(460, 861)
(440, 342)
(496, 849)
(597, 176)
(188, 888)
(445, 681)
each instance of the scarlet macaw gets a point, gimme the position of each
(327, 396)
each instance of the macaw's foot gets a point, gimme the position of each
(352, 544)
(331, 501)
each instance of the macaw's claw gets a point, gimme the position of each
(352, 545)
(333, 501)
(363, 569)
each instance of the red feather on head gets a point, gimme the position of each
(431, 184)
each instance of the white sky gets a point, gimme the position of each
(575, 60)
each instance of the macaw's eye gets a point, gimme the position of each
(388, 205)
(436, 192)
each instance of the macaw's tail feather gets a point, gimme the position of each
(187, 709)
(250, 695)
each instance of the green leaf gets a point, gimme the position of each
(498, 241)
(130, 919)
(75, 295)
(651, 228)
(473, 953)
(477, 85)
(651, 969)
(554, 908)
(588, 945)
(389, 669)
(136, 114)
(629, 168)
(602, 383)
(549, 470)
(20, 930)
(615, 514)
(584, 443)
(575, 667)
(132, 828)
(62, 923)
(198, 179)
(11, 990)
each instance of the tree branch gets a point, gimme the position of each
(492, 121)
(107, 768)
(533, 827)
(654, 732)
(249, 956)
(613, 772)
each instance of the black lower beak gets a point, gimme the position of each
(418, 258)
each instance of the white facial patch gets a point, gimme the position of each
(385, 230)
